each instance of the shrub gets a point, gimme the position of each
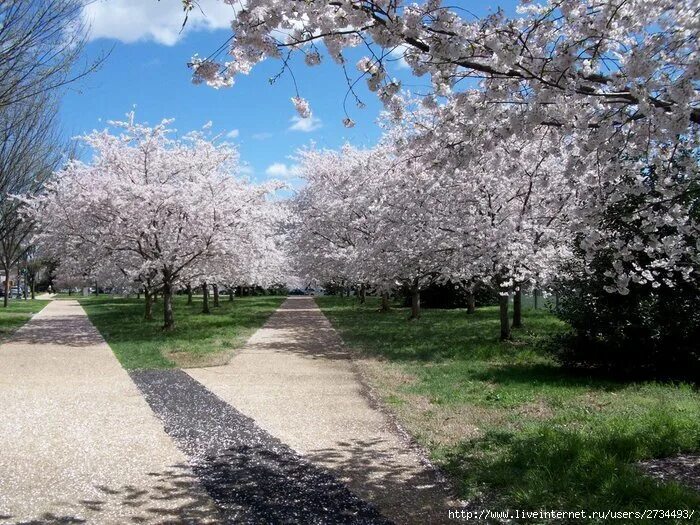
(648, 332)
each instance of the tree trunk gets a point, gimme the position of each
(189, 294)
(148, 316)
(505, 324)
(31, 287)
(205, 298)
(215, 287)
(471, 302)
(363, 293)
(518, 308)
(138, 296)
(7, 288)
(70, 291)
(230, 295)
(97, 290)
(168, 318)
(385, 302)
(415, 301)
(535, 296)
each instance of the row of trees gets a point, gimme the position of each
(383, 218)
(553, 146)
(41, 44)
(155, 213)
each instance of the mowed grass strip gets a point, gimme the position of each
(198, 339)
(17, 313)
(508, 424)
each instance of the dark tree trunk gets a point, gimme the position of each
(471, 302)
(148, 316)
(415, 301)
(230, 295)
(138, 295)
(31, 287)
(70, 291)
(518, 309)
(385, 302)
(97, 290)
(363, 293)
(505, 324)
(7, 288)
(168, 317)
(189, 294)
(556, 301)
(535, 296)
(205, 298)
(215, 287)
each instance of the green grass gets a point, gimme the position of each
(198, 339)
(17, 313)
(511, 426)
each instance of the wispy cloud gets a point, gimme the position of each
(161, 22)
(262, 136)
(306, 125)
(233, 134)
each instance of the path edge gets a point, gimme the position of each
(372, 396)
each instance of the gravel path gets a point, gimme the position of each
(296, 380)
(78, 443)
(252, 476)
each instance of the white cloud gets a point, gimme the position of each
(306, 125)
(262, 136)
(282, 171)
(397, 56)
(161, 22)
(233, 134)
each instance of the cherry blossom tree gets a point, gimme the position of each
(626, 58)
(617, 78)
(424, 214)
(153, 209)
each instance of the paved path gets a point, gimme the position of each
(77, 440)
(295, 379)
(253, 477)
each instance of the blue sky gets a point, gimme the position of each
(146, 68)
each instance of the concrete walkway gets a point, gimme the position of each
(78, 443)
(296, 380)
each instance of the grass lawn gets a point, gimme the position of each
(509, 425)
(17, 313)
(198, 339)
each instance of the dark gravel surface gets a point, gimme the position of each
(251, 476)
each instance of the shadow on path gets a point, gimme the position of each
(251, 476)
(175, 497)
(64, 326)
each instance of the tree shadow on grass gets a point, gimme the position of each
(123, 319)
(544, 374)
(554, 467)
